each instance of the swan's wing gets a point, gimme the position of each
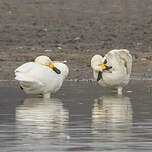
(32, 72)
(26, 80)
(126, 57)
(63, 69)
(25, 67)
(23, 71)
(35, 76)
(51, 81)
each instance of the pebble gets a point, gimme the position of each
(47, 50)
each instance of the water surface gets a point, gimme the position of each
(82, 116)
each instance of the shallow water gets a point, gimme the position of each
(80, 117)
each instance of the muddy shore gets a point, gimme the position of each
(74, 31)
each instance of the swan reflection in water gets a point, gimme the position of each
(41, 117)
(113, 116)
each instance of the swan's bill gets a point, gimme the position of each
(106, 68)
(103, 66)
(54, 68)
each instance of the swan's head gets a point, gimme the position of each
(43, 60)
(63, 68)
(98, 63)
(46, 61)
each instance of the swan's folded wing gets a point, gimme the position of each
(29, 84)
(25, 67)
(22, 73)
(23, 79)
(126, 56)
(35, 78)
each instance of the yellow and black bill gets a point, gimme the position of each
(105, 67)
(54, 69)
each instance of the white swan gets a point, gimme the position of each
(42, 76)
(112, 70)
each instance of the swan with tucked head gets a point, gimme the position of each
(112, 70)
(43, 76)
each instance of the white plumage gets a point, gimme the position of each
(38, 78)
(116, 77)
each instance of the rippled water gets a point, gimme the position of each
(80, 117)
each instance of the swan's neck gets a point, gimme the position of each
(95, 73)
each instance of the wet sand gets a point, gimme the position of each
(74, 31)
